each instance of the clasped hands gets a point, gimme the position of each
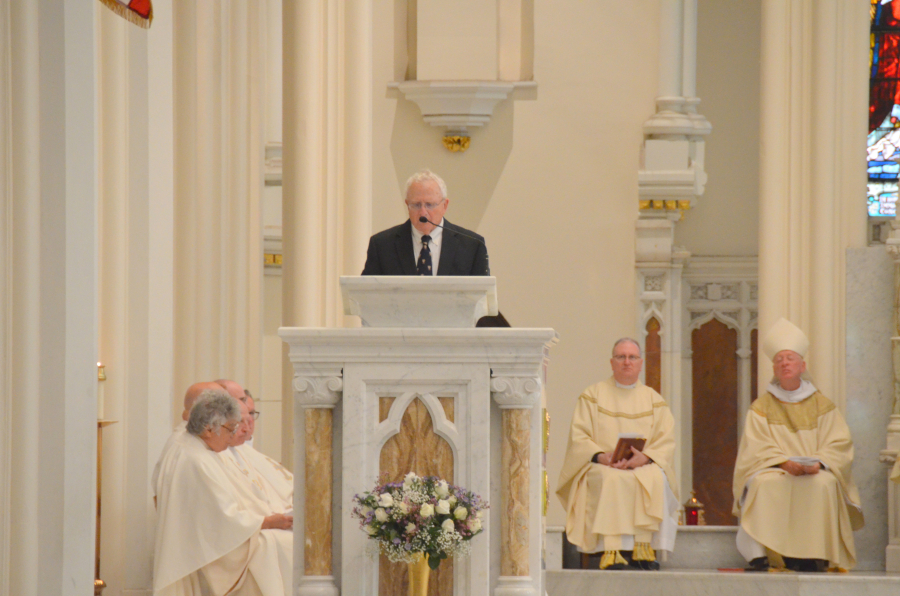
(278, 521)
(796, 469)
(636, 460)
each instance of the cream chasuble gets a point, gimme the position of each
(252, 488)
(806, 517)
(279, 479)
(177, 432)
(208, 541)
(610, 509)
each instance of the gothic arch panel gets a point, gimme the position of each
(714, 417)
(415, 448)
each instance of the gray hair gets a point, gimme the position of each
(213, 409)
(629, 340)
(425, 176)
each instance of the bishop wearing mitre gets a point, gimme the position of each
(626, 509)
(793, 488)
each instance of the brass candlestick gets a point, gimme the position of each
(99, 584)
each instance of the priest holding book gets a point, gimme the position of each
(617, 480)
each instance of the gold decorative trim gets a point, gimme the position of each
(128, 14)
(644, 204)
(684, 205)
(603, 410)
(273, 259)
(546, 421)
(456, 143)
(795, 417)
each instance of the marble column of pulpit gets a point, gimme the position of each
(418, 388)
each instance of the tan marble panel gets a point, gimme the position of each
(416, 448)
(317, 559)
(514, 489)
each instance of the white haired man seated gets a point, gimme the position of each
(208, 541)
(793, 489)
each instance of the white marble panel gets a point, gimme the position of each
(414, 301)
(364, 436)
(553, 548)
(712, 583)
(869, 391)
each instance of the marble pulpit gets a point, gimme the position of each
(418, 388)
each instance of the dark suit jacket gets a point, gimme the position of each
(391, 252)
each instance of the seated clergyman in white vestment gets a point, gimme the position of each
(190, 396)
(626, 509)
(275, 477)
(210, 541)
(249, 483)
(793, 490)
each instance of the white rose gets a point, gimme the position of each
(386, 500)
(410, 528)
(370, 530)
(403, 507)
(381, 515)
(442, 489)
(448, 525)
(427, 510)
(475, 525)
(460, 513)
(443, 507)
(452, 500)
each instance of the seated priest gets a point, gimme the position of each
(277, 481)
(190, 396)
(253, 487)
(208, 539)
(426, 244)
(625, 509)
(793, 490)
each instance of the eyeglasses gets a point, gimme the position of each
(233, 430)
(624, 357)
(254, 414)
(425, 206)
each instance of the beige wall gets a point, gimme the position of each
(726, 219)
(551, 183)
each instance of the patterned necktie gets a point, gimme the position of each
(423, 267)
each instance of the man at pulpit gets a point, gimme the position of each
(426, 244)
(793, 489)
(626, 509)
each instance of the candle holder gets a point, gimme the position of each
(693, 511)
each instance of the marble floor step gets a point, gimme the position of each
(575, 582)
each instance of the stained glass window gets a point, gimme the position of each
(883, 146)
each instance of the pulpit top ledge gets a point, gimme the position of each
(419, 301)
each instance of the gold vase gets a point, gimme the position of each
(418, 575)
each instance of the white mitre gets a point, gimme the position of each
(784, 335)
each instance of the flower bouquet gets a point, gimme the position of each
(420, 516)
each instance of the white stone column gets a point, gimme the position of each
(136, 284)
(218, 182)
(52, 293)
(327, 183)
(813, 103)
(6, 286)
